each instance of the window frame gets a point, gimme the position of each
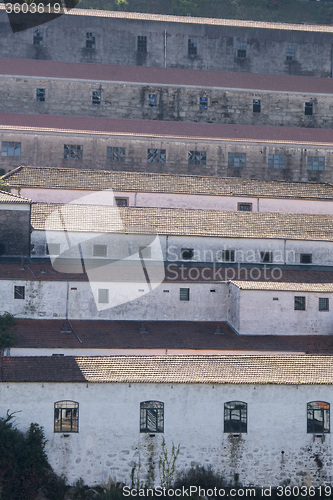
(192, 47)
(266, 257)
(326, 417)
(184, 294)
(152, 100)
(308, 108)
(115, 154)
(229, 422)
(228, 255)
(19, 292)
(66, 405)
(237, 160)
(304, 257)
(203, 103)
(6, 148)
(327, 304)
(38, 36)
(90, 40)
(156, 156)
(256, 106)
(299, 303)
(243, 204)
(276, 161)
(241, 50)
(197, 158)
(121, 202)
(315, 163)
(290, 53)
(40, 95)
(155, 408)
(73, 152)
(96, 97)
(142, 44)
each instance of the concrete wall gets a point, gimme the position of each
(15, 229)
(44, 148)
(274, 450)
(127, 100)
(217, 46)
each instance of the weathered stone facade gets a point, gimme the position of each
(214, 44)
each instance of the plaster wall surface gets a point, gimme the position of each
(274, 450)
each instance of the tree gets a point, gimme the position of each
(7, 323)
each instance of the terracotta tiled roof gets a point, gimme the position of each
(12, 198)
(166, 335)
(283, 286)
(230, 369)
(163, 76)
(211, 132)
(165, 221)
(69, 178)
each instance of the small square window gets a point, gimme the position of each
(316, 162)
(152, 100)
(228, 256)
(266, 256)
(236, 160)
(11, 149)
(73, 152)
(145, 252)
(244, 207)
(96, 97)
(156, 156)
(187, 253)
(299, 303)
(324, 304)
(121, 202)
(276, 161)
(19, 292)
(90, 41)
(99, 250)
(290, 53)
(53, 249)
(38, 36)
(40, 95)
(142, 44)
(192, 47)
(184, 294)
(241, 50)
(151, 416)
(306, 258)
(308, 110)
(203, 103)
(318, 417)
(103, 296)
(115, 154)
(256, 106)
(235, 417)
(197, 158)
(66, 416)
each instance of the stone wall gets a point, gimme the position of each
(116, 42)
(129, 100)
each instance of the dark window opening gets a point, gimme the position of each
(142, 44)
(66, 416)
(256, 106)
(184, 294)
(235, 416)
(192, 47)
(299, 303)
(156, 156)
(19, 292)
(2, 249)
(152, 100)
(318, 417)
(73, 152)
(11, 149)
(308, 110)
(90, 41)
(290, 53)
(40, 95)
(236, 160)
(306, 258)
(244, 207)
(228, 256)
(151, 416)
(241, 50)
(115, 154)
(96, 97)
(187, 253)
(38, 36)
(197, 157)
(324, 304)
(203, 103)
(266, 256)
(121, 202)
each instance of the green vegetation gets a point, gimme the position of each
(287, 11)
(7, 337)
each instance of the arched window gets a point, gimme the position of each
(66, 416)
(151, 416)
(235, 416)
(318, 417)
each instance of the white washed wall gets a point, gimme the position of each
(275, 449)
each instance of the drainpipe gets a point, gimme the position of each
(257, 204)
(165, 48)
(284, 251)
(135, 198)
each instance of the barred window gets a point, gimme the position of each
(241, 50)
(10, 149)
(318, 417)
(235, 416)
(38, 36)
(324, 304)
(152, 100)
(203, 103)
(308, 108)
(115, 154)
(256, 106)
(40, 95)
(96, 97)
(244, 207)
(316, 162)
(266, 256)
(156, 156)
(276, 161)
(299, 303)
(142, 44)
(90, 41)
(184, 294)
(290, 53)
(73, 152)
(197, 157)
(236, 159)
(151, 416)
(19, 292)
(66, 416)
(192, 47)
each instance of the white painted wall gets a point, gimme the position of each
(276, 447)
